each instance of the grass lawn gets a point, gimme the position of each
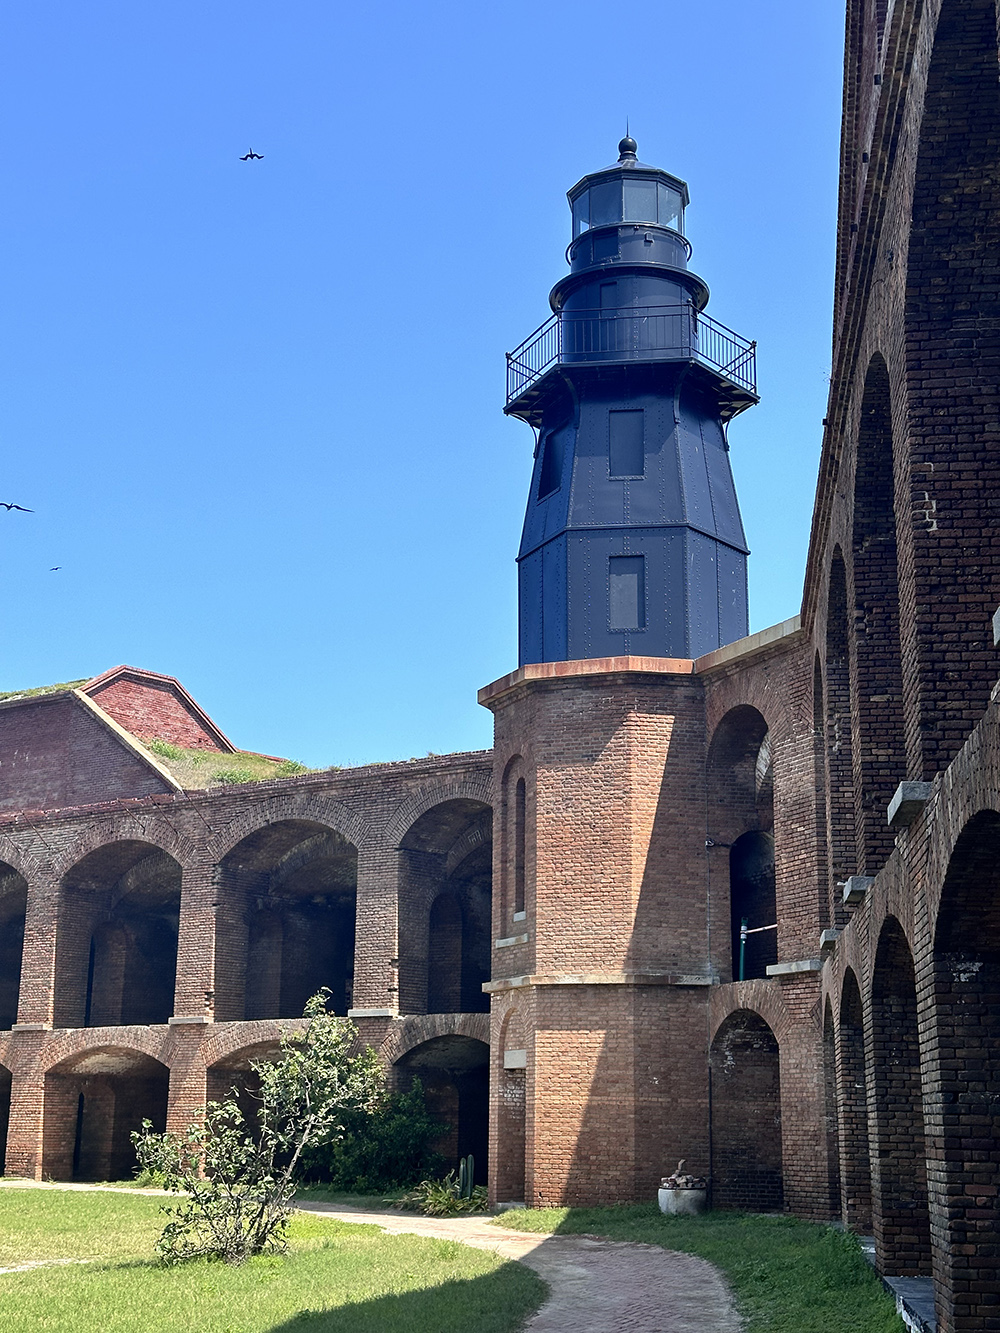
(787, 1276)
(337, 1278)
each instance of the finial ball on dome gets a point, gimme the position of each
(627, 147)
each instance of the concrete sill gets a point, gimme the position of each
(510, 941)
(184, 1020)
(908, 801)
(792, 969)
(855, 889)
(371, 1013)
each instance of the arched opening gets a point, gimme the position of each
(953, 391)
(830, 1115)
(965, 1139)
(445, 909)
(746, 1115)
(234, 1076)
(116, 937)
(752, 906)
(13, 904)
(856, 1177)
(741, 817)
(286, 921)
(899, 1155)
(839, 763)
(455, 1074)
(5, 1087)
(92, 1103)
(880, 752)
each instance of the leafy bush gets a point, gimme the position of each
(385, 1149)
(238, 1180)
(443, 1198)
(289, 767)
(164, 748)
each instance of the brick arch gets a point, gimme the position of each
(841, 839)
(761, 998)
(426, 798)
(28, 865)
(230, 1039)
(310, 808)
(106, 832)
(508, 1148)
(831, 1114)
(415, 1030)
(71, 1044)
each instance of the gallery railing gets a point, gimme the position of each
(641, 333)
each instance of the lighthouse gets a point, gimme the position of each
(633, 543)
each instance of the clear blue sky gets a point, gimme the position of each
(257, 406)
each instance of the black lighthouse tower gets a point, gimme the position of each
(633, 542)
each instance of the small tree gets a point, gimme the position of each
(238, 1178)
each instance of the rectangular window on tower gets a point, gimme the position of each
(627, 592)
(626, 443)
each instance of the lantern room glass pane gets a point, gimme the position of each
(640, 201)
(581, 213)
(671, 208)
(606, 203)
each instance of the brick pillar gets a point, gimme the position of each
(194, 990)
(376, 950)
(188, 1092)
(38, 967)
(27, 1099)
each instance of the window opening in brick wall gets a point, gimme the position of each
(6, 1081)
(520, 815)
(831, 1119)
(826, 890)
(752, 905)
(455, 1073)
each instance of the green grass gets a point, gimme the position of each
(337, 1278)
(787, 1276)
(195, 769)
(43, 689)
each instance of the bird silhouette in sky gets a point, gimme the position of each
(8, 507)
(54, 568)
(252, 157)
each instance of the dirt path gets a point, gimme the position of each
(595, 1286)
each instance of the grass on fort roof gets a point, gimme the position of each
(42, 689)
(338, 1277)
(787, 1276)
(195, 769)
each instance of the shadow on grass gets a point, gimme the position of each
(498, 1302)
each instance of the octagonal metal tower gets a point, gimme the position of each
(633, 542)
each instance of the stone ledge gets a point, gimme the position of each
(792, 969)
(596, 666)
(855, 888)
(599, 979)
(509, 941)
(372, 1013)
(31, 1027)
(907, 802)
(828, 941)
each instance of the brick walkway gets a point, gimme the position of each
(595, 1286)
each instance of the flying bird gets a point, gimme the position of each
(8, 507)
(54, 568)
(252, 157)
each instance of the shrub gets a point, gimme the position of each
(386, 1149)
(289, 767)
(442, 1198)
(238, 1180)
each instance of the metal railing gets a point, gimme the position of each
(641, 333)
